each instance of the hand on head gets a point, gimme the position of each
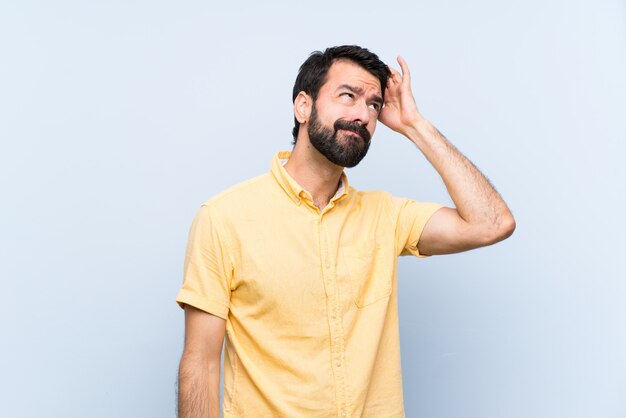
(400, 112)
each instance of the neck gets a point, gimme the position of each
(314, 172)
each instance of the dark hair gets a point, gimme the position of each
(313, 72)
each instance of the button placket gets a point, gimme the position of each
(334, 319)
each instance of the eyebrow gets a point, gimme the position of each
(358, 90)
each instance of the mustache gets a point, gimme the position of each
(353, 126)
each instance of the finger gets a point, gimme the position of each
(395, 74)
(406, 74)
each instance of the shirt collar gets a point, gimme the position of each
(291, 187)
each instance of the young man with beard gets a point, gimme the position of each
(299, 269)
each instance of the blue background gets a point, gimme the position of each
(118, 118)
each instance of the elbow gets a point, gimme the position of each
(508, 226)
(503, 229)
(495, 232)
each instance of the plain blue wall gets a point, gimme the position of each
(118, 118)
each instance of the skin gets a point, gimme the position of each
(307, 166)
(480, 217)
(199, 371)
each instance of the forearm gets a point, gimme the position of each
(198, 387)
(481, 217)
(476, 200)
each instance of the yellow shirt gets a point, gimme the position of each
(309, 297)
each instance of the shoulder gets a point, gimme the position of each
(228, 205)
(240, 193)
(392, 205)
(371, 203)
(373, 198)
(371, 195)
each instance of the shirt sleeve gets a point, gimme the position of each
(412, 218)
(207, 268)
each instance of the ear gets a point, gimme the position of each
(302, 107)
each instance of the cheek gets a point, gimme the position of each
(328, 116)
(372, 127)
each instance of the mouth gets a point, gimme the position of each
(353, 133)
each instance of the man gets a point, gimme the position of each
(298, 269)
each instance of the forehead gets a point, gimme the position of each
(343, 72)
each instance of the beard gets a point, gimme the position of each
(347, 153)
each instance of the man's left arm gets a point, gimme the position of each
(481, 217)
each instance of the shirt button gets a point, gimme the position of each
(328, 264)
(344, 414)
(338, 363)
(334, 315)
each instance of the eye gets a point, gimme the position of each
(347, 94)
(375, 106)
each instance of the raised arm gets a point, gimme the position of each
(199, 372)
(481, 217)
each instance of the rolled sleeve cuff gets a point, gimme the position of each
(418, 228)
(186, 297)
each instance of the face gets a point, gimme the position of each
(347, 151)
(344, 115)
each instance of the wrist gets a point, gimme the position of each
(420, 130)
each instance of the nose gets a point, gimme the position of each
(361, 112)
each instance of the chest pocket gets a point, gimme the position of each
(370, 272)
